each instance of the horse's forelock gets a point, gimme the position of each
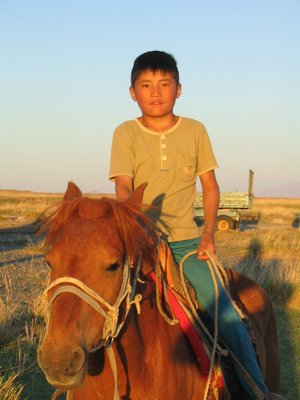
(135, 228)
(58, 219)
(92, 209)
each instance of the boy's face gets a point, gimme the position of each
(155, 93)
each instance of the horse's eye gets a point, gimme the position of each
(113, 267)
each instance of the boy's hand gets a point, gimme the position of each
(207, 242)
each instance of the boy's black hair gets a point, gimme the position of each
(154, 61)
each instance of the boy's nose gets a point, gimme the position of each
(156, 92)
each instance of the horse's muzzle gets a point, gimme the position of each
(65, 369)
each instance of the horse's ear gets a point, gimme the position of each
(73, 192)
(137, 196)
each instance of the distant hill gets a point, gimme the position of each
(290, 190)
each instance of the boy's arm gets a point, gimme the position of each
(123, 187)
(211, 199)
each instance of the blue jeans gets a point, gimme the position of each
(233, 331)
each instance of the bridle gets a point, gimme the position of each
(112, 326)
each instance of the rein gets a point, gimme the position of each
(112, 326)
(213, 266)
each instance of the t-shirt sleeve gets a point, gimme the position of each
(122, 155)
(206, 158)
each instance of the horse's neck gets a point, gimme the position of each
(148, 344)
(140, 326)
(148, 330)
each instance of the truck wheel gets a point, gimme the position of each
(223, 223)
(236, 225)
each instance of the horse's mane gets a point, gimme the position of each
(134, 227)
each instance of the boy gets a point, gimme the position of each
(169, 152)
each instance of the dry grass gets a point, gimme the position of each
(17, 209)
(10, 389)
(20, 207)
(278, 211)
(268, 251)
(22, 325)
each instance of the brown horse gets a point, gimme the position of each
(91, 246)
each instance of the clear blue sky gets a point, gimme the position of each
(64, 78)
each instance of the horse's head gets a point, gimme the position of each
(91, 245)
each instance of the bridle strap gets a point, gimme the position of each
(90, 293)
(111, 326)
(79, 293)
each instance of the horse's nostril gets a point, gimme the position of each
(76, 363)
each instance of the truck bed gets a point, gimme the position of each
(239, 200)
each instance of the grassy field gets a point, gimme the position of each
(267, 250)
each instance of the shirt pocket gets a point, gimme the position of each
(186, 167)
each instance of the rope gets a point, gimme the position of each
(212, 268)
(70, 395)
(162, 292)
(57, 394)
(191, 303)
(215, 267)
(223, 277)
(113, 365)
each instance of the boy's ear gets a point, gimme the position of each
(132, 93)
(179, 89)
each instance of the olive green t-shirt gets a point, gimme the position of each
(170, 162)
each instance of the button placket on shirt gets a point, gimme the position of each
(163, 153)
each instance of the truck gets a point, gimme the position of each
(233, 207)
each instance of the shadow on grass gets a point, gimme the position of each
(288, 327)
(296, 222)
(248, 225)
(17, 238)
